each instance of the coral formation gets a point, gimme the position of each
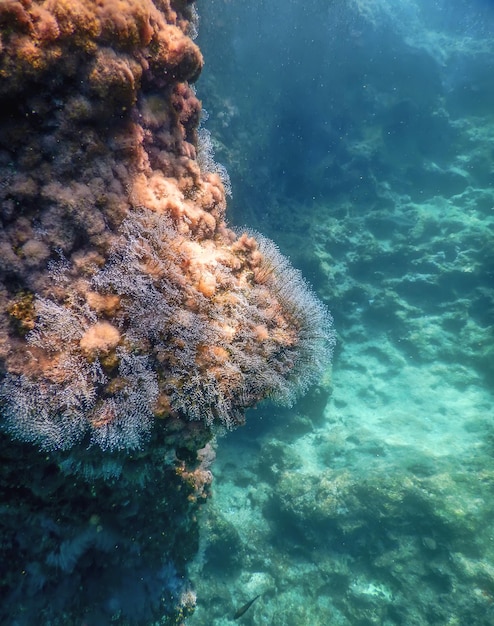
(130, 314)
(143, 301)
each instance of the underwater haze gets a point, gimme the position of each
(358, 134)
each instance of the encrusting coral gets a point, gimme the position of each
(144, 302)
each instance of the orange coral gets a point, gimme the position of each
(99, 339)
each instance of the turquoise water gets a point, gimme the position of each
(359, 136)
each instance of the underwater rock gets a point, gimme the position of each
(132, 319)
(125, 296)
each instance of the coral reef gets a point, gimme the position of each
(125, 295)
(132, 319)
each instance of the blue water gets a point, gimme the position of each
(358, 135)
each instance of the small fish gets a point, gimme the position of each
(245, 607)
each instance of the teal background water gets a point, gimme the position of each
(359, 136)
